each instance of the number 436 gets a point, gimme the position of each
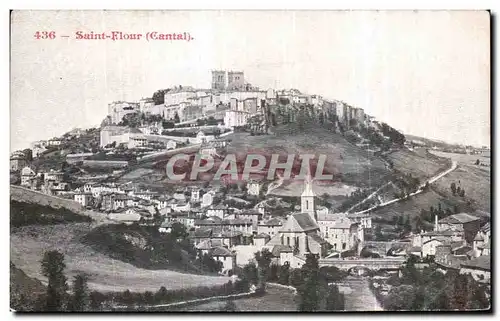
(45, 35)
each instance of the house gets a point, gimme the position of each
(202, 138)
(52, 175)
(181, 207)
(463, 222)
(186, 219)
(207, 199)
(253, 215)
(270, 227)
(253, 188)
(171, 144)
(218, 210)
(26, 175)
(120, 201)
(363, 219)
(83, 199)
(208, 149)
(225, 256)
(179, 195)
(261, 239)
(227, 237)
(17, 161)
(195, 194)
(444, 236)
(206, 246)
(429, 247)
(479, 268)
(165, 227)
(339, 231)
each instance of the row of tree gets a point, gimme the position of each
(429, 289)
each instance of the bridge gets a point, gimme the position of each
(382, 248)
(384, 263)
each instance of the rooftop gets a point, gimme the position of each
(460, 218)
(482, 262)
(305, 222)
(221, 251)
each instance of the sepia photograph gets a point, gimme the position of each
(250, 161)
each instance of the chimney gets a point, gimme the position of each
(435, 223)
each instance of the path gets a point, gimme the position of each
(454, 166)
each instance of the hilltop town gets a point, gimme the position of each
(115, 175)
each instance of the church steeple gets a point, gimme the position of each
(307, 198)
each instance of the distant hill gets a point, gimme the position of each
(432, 142)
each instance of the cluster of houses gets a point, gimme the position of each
(232, 99)
(232, 235)
(458, 242)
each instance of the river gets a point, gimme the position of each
(358, 296)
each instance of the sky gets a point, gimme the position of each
(426, 73)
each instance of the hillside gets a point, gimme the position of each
(25, 291)
(144, 247)
(22, 213)
(348, 163)
(28, 244)
(419, 163)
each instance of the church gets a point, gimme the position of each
(323, 234)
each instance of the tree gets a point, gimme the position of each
(335, 300)
(312, 290)
(453, 188)
(250, 273)
(159, 96)
(230, 307)
(178, 231)
(80, 299)
(284, 275)
(378, 233)
(400, 298)
(168, 124)
(263, 259)
(53, 268)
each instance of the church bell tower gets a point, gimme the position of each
(307, 199)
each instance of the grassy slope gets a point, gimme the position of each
(127, 243)
(355, 165)
(474, 179)
(22, 213)
(24, 290)
(418, 163)
(105, 274)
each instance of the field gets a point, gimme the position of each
(274, 300)
(27, 245)
(295, 188)
(418, 163)
(24, 291)
(414, 204)
(474, 179)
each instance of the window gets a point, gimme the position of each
(288, 240)
(343, 246)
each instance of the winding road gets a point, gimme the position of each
(454, 166)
